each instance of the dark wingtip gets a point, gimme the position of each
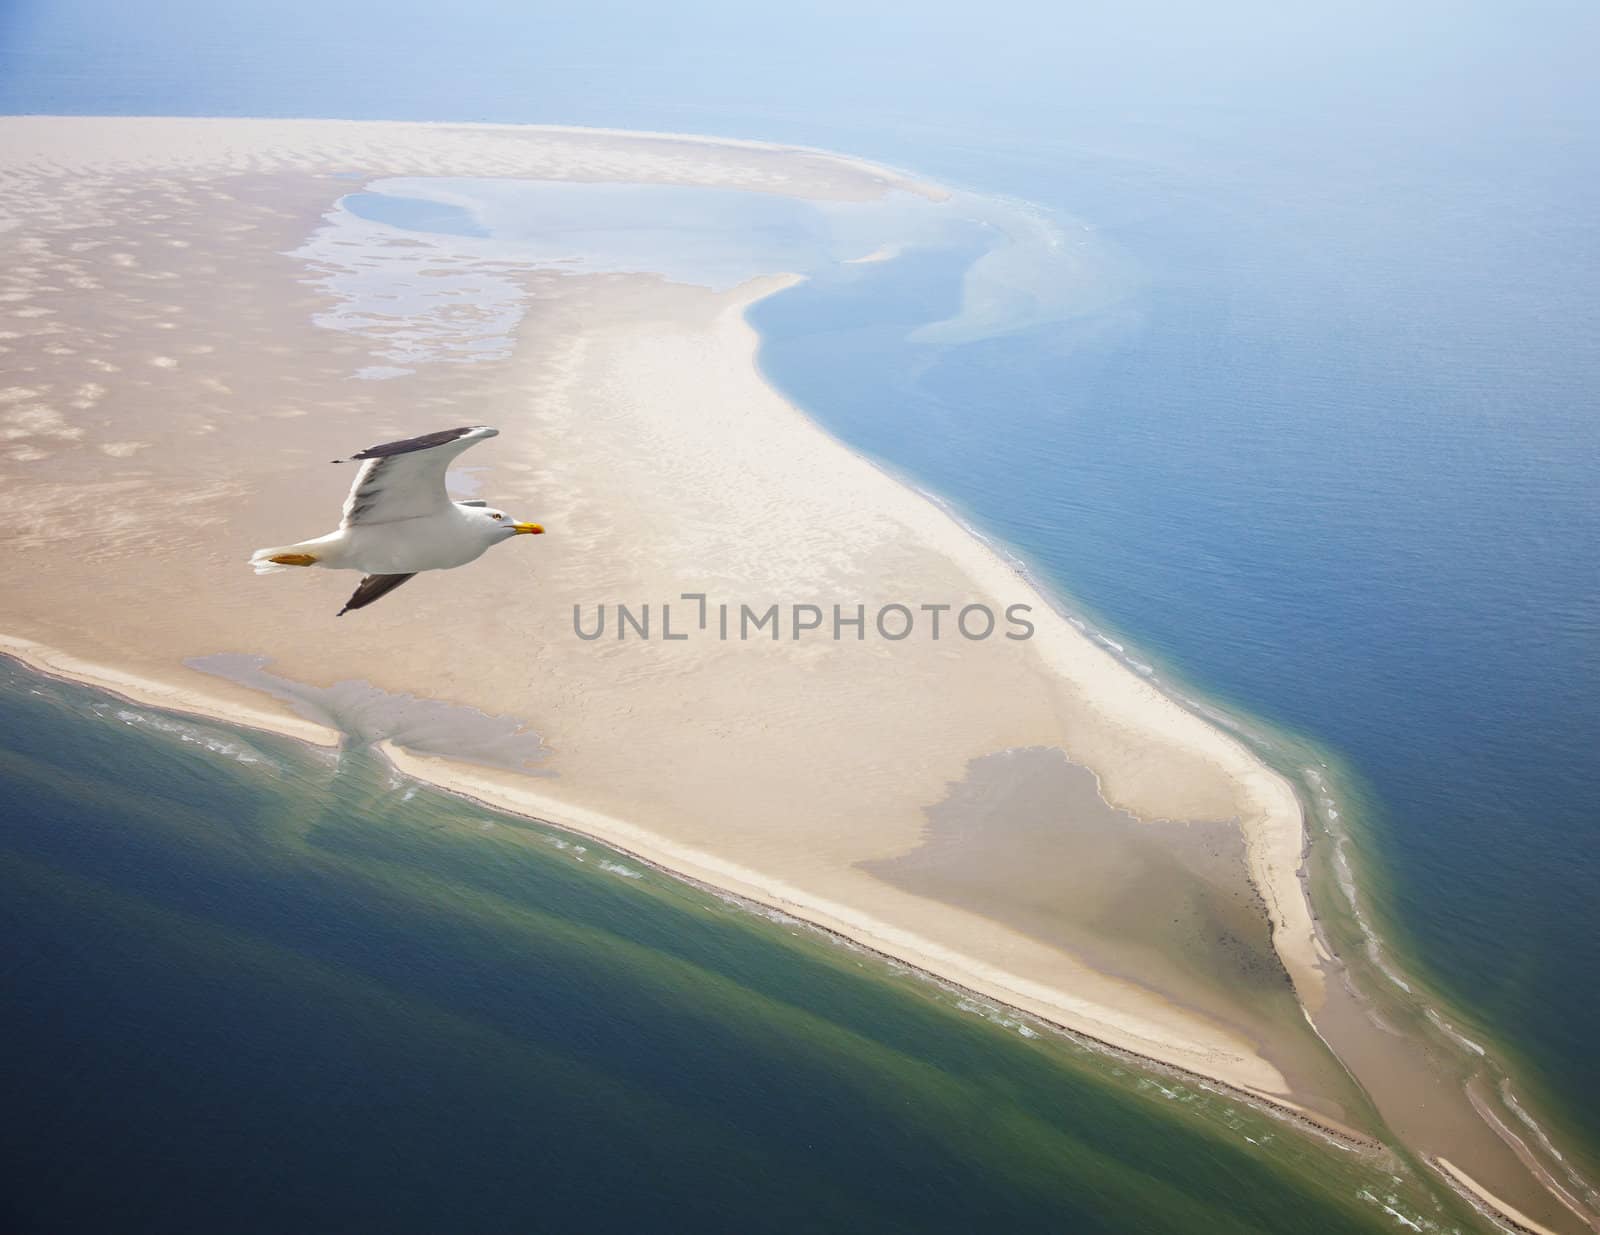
(372, 588)
(426, 441)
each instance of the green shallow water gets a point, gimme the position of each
(252, 987)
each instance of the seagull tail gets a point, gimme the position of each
(281, 557)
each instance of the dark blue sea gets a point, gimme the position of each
(1327, 458)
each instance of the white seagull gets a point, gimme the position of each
(399, 520)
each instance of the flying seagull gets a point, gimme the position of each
(399, 521)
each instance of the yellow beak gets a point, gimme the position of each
(528, 529)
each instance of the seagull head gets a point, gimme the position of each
(503, 527)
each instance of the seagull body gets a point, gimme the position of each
(399, 520)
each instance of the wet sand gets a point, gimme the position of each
(167, 383)
(1027, 839)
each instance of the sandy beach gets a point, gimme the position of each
(169, 391)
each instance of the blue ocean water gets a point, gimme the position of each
(251, 987)
(1367, 527)
(1331, 461)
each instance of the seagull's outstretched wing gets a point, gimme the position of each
(371, 588)
(405, 479)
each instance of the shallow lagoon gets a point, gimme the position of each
(436, 267)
